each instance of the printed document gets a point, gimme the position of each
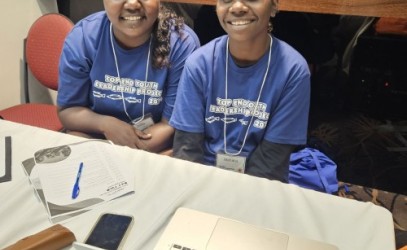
(55, 171)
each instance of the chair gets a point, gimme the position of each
(43, 48)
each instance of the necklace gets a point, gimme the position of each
(118, 75)
(257, 102)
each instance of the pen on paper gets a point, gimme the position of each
(76, 189)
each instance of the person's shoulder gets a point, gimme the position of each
(188, 30)
(186, 34)
(287, 53)
(86, 34)
(94, 17)
(286, 49)
(209, 50)
(92, 22)
(217, 42)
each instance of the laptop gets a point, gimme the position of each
(194, 230)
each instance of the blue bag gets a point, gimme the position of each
(310, 168)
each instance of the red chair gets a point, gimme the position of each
(43, 48)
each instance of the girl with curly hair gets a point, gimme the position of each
(119, 73)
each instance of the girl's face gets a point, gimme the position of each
(132, 20)
(245, 19)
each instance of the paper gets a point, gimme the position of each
(53, 172)
(5, 158)
(2, 156)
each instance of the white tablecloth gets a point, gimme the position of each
(163, 184)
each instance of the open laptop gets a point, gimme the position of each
(193, 230)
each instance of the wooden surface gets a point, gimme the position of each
(378, 8)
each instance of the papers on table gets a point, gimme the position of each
(2, 156)
(53, 173)
(5, 158)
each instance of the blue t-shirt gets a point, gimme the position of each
(282, 113)
(88, 76)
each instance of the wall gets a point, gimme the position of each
(16, 17)
(78, 10)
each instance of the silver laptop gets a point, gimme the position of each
(194, 230)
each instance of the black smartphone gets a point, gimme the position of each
(110, 231)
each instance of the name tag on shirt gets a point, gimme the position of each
(231, 162)
(143, 124)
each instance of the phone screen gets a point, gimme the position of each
(109, 231)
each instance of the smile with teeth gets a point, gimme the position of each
(240, 22)
(132, 18)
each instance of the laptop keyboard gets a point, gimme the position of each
(179, 247)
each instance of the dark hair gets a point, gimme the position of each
(166, 21)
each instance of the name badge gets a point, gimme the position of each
(231, 162)
(143, 124)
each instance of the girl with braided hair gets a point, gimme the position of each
(119, 73)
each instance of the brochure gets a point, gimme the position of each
(71, 179)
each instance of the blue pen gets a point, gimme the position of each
(75, 190)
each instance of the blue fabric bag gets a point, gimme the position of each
(310, 168)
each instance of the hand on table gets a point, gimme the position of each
(125, 134)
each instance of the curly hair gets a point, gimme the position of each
(166, 22)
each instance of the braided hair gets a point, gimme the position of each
(166, 21)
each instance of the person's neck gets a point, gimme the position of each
(247, 53)
(128, 43)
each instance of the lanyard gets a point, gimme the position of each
(118, 75)
(257, 102)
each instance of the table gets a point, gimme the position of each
(163, 184)
(374, 8)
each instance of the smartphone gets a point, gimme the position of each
(110, 231)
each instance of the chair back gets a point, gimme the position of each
(44, 46)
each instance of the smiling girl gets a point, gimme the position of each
(119, 73)
(243, 98)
